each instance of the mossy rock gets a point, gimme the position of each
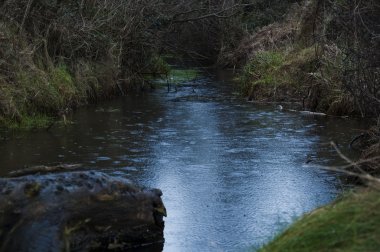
(78, 211)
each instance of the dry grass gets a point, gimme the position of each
(273, 37)
(309, 73)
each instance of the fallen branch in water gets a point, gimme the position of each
(307, 112)
(312, 113)
(361, 174)
(342, 169)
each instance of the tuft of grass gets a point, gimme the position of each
(36, 98)
(45, 91)
(352, 223)
(63, 83)
(262, 75)
(261, 68)
(159, 65)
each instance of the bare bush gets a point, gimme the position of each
(355, 27)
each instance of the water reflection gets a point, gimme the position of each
(231, 185)
(233, 174)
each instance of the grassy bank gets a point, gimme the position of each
(349, 224)
(38, 96)
(56, 56)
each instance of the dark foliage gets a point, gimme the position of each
(356, 27)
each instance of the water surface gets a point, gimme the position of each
(233, 173)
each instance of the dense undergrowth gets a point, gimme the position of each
(58, 55)
(314, 58)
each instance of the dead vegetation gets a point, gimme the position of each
(269, 38)
(370, 142)
(57, 55)
(326, 65)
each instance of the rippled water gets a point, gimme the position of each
(233, 173)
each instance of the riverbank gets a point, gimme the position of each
(37, 96)
(57, 56)
(351, 223)
(321, 57)
(308, 58)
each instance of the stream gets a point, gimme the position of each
(233, 173)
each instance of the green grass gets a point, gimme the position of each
(176, 77)
(271, 69)
(352, 223)
(182, 75)
(27, 122)
(37, 96)
(261, 71)
(45, 91)
(262, 67)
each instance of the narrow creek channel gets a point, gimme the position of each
(233, 173)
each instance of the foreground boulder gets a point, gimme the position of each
(78, 211)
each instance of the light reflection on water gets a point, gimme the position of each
(233, 174)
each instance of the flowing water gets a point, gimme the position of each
(233, 173)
